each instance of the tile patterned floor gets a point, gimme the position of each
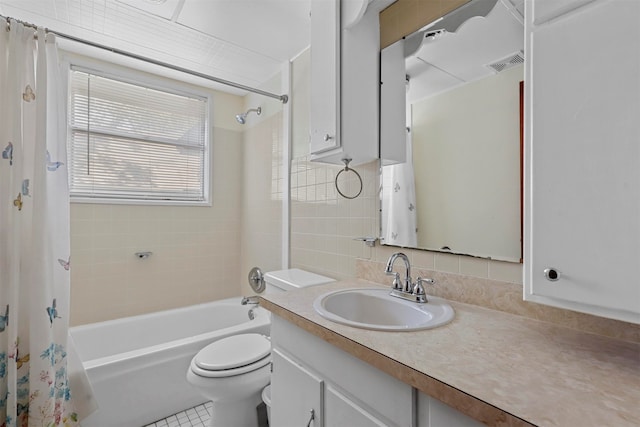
(194, 417)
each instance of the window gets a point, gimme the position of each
(131, 142)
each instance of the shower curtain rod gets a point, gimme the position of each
(283, 98)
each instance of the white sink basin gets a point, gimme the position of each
(376, 309)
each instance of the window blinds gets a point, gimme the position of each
(132, 142)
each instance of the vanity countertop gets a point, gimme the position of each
(496, 367)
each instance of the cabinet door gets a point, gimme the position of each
(295, 392)
(393, 105)
(338, 409)
(433, 413)
(324, 123)
(583, 160)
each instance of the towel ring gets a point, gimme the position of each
(347, 169)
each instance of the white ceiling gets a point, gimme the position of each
(245, 41)
(454, 58)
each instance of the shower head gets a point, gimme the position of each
(242, 118)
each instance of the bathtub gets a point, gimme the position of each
(138, 365)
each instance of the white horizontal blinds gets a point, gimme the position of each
(133, 142)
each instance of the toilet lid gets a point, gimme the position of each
(233, 352)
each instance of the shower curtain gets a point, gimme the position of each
(34, 225)
(399, 202)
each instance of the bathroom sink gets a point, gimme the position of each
(375, 309)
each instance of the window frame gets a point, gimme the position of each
(143, 78)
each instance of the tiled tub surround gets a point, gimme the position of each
(200, 253)
(109, 282)
(497, 367)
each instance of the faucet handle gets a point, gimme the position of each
(396, 284)
(418, 288)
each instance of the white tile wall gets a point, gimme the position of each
(195, 249)
(324, 224)
(262, 198)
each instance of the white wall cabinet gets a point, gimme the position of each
(343, 120)
(325, 76)
(309, 373)
(582, 203)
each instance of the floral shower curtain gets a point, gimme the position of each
(34, 227)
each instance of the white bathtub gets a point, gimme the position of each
(138, 365)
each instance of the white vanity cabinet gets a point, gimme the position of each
(308, 370)
(343, 120)
(311, 374)
(582, 180)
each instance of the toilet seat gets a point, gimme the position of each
(234, 355)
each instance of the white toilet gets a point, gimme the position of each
(232, 372)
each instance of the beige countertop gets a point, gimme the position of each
(499, 368)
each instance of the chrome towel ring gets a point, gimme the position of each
(347, 169)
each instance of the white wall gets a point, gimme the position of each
(466, 148)
(300, 103)
(261, 243)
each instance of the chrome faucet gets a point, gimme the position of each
(412, 292)
(389, 270)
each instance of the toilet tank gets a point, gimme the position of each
(294, 278)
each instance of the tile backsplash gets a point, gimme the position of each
(324, 224)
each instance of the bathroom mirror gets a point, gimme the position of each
(451, 98)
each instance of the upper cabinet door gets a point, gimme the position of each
(582, 222)
(344, 82)
(393, 105)
(325, 75)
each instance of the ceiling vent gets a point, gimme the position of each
(508, 62)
